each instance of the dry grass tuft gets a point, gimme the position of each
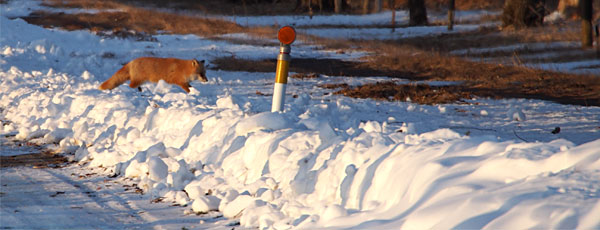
(418, 93)
(140, 20)
(303, 76)
(83, 4)
(335, 86)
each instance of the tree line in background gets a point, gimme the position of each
(516, 13)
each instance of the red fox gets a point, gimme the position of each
(172, 70)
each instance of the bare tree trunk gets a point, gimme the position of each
(417, 12)
(337, 6)
(586, 12)
(451, 7)
(392, 5)
(597, 29)
(377, 6)
(320, 6)
(365, 6)
(310, 10)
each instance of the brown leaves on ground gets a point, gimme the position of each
(418, 93)
(137, 19)
(303, 76)
(490, 80)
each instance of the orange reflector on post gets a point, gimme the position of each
(286, 35)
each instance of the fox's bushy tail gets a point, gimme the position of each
(117, 79)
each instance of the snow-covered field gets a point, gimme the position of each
(376, 19)
(326, 162)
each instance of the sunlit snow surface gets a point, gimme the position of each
(327, 162)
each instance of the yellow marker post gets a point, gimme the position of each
(286, 36)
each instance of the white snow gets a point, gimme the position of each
(327, 161)
(582, 67)
(206, 204)
(376, 19)
(387, 33)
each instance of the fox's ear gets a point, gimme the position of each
(195, 62)
(202, 61)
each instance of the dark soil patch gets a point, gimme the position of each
(38, 160)
(305, 67)
(419, 93)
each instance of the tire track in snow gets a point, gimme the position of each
(75, 198)
(50, 198)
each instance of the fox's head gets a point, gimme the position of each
(200, 71)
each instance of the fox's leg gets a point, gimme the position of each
(185, 86)
(135, 84)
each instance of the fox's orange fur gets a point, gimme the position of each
(171, 70)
